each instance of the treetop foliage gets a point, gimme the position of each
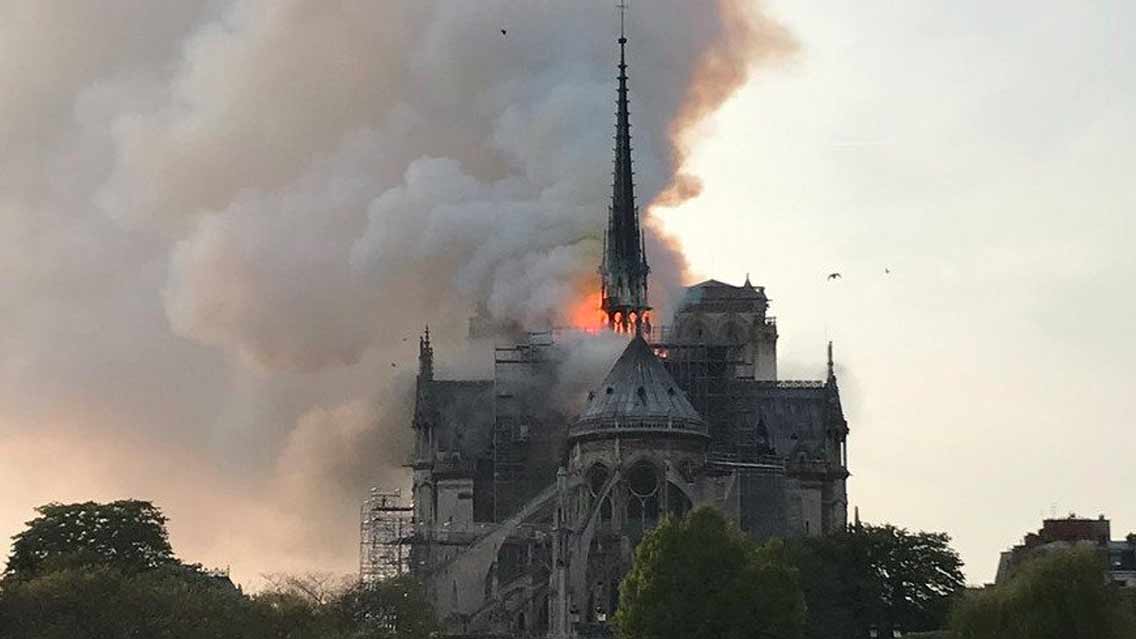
(106, 571)
(877, 576)
(1061, 594)
(396, 608)
(700, 578)
(181, 602)
(126, 533)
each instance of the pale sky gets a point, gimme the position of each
(983, 152)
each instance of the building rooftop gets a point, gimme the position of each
(639, 391)
(712, 295)
(710, 289)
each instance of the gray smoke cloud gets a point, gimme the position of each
(223, 223)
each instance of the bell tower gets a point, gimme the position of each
(624, 269)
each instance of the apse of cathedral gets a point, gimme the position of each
(526, 516)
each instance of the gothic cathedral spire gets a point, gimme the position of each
(624, 269)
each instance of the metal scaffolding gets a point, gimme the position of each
(385, 531)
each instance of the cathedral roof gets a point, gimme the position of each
(713, 296)
(712, 283)
(638, 392)
(715, 288)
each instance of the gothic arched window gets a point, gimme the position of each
(643, 498)
(597, 478)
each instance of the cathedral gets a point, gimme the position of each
(526, 514)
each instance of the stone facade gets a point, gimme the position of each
(526, 518)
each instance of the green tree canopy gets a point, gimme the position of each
(397, 608)
(1060, 594)
(106, 571)
(127, 533)
(701, 578)
(103, 601)
(880, 576)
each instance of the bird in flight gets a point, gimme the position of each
(887, 271)
(834, 276)
(504, 32)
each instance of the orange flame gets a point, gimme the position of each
(586, 313)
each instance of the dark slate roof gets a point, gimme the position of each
(638, 389)
(796, 415)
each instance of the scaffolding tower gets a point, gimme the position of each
(385, 531)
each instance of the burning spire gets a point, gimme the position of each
(624, 269)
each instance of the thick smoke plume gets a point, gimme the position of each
(224, 222)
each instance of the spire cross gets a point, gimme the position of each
(624, 268)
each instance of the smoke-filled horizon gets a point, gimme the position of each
(223, 224)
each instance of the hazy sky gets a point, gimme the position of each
(983, 152)
(223, 222)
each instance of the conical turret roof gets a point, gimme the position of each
(638, 393)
